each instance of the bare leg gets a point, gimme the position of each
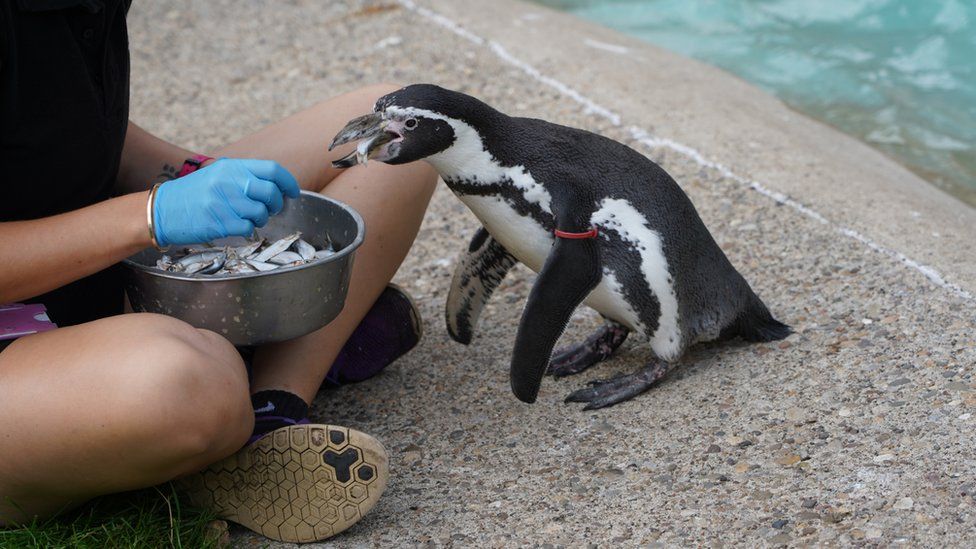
(608, 392)
(392, 201)
(598, 347)
(116, 404)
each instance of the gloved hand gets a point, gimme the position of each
(227, 198)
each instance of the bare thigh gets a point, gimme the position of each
(391, 199)
(301, 141)
(112, 405)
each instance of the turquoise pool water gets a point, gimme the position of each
(898, 74)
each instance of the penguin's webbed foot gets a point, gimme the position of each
(608, 392)
(598, 347)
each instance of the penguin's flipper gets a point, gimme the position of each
(572, 269)
(477, 275)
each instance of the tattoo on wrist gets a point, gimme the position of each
(169, 172)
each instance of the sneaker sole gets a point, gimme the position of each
(297, 484)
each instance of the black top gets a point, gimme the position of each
(64, 107)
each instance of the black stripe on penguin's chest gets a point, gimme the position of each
(507, 191)
(624, 260)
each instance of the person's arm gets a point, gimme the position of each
(40, 255)
(230, 197)
(147, 160)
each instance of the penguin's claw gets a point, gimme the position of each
(607, 392)
(607, 381)
(569, 361)
(594, 389)
(598, 347)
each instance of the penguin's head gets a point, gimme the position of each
(410, 124)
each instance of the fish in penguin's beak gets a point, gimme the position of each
(377, 140)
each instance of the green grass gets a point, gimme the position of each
(147, 518)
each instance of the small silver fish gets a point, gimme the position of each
(362, 151)
(257, 255)
(277, 247)
(202, 257)
(164, 262)
(194, 250)
(324, 253)
(287, 258)
(201, 267)
(236, 266)
(194, 268)
(248, 249)
(261, 266)
(304, 249)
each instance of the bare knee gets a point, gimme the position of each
(209, 376)
(194, 393)
(193, 345)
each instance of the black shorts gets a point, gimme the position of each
(97, 296)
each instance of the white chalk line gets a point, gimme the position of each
(642, 136)
(443, 21)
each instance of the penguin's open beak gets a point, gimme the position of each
(372, 129)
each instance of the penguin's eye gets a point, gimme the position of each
(410, 124)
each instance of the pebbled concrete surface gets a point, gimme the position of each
(855, 431)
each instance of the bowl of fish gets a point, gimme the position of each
(288, 279)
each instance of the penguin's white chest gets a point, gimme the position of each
(531, 243)
(521, 235)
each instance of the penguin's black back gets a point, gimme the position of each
(581, 168)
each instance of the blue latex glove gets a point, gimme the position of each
(227, 198)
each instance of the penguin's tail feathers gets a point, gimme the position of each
(756, 324)
(769, 330)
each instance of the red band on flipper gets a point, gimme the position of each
(576, 236)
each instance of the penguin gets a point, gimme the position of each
(600, 223)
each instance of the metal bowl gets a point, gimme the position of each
(257, 308)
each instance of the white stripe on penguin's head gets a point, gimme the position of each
(467, 159)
